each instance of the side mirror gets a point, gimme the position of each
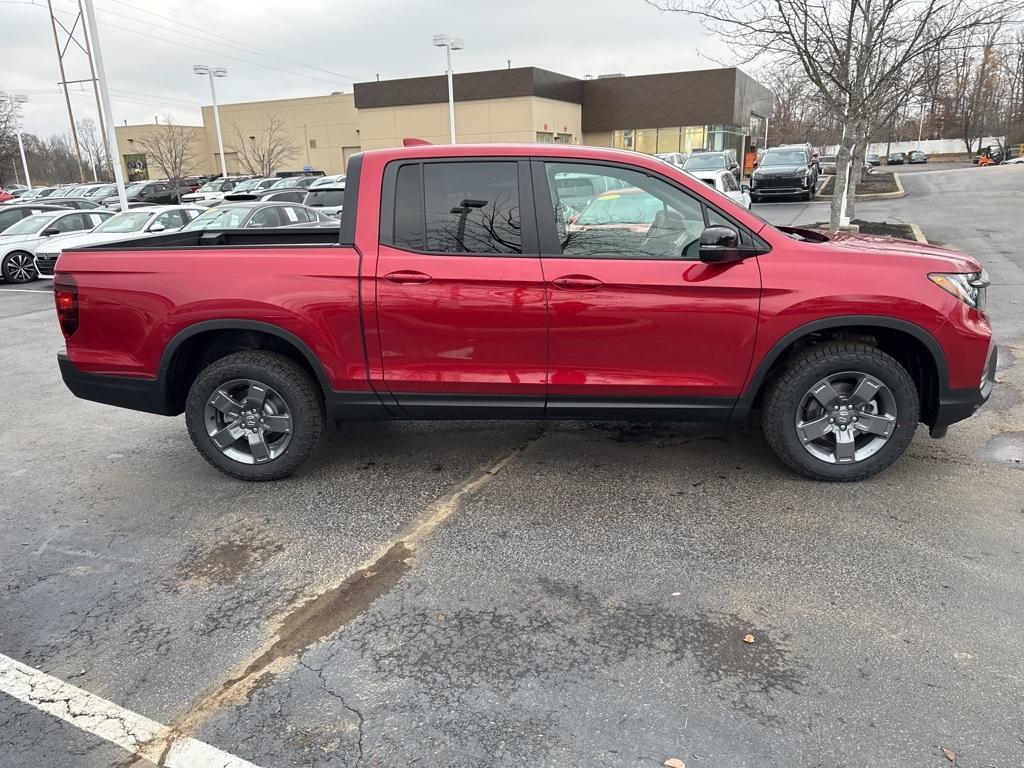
(720, 245)
(50, 231)
(157, 227)
(744, 187)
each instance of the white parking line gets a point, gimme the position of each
(25, 290)
(92, 714)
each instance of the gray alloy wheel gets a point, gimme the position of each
(846, 417)
(248, 421)
(19, 267)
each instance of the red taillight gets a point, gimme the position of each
(65, 296)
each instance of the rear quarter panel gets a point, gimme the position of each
(133, 302)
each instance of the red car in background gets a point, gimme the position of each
(468, 282)
(5, 196)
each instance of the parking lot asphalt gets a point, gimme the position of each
(527, 594)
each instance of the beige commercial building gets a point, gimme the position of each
(671, 112)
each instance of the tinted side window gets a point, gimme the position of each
(630, 216)
(265, 217)
(72, 223)
(409, 208)
(472, 207)
(170, 220)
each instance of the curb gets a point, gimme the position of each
(900, 192)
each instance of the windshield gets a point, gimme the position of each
(247, 185)
(132, 221)
(709, 162)
(319, 197)
(31, 224)
(213, 186)
(783, 157)
(133, 188)
(286, 183)
(102, 191)
(218, 218)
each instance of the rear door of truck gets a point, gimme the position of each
(460, 298)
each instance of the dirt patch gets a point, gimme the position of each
(876, 184)
(225, 562)
(879, 228)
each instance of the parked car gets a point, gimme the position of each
(295, 182)
(811, 152)
(101, 192)
(672, 158)
(328, 181)
(5, 196)
(712, 161)
(330, 199)
(12, 214)
(18, 243)
(783, 171)
(873, 159)
(137, 222)
(254, 185)
(254, 215)
(212, 191)
(1019, 160)
(78, 203)
(827, 165)
(148, 193)
(916, 157)
(724, 182)
(708, 313)
(896, 158)
(293, 195)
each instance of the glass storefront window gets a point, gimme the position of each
(624, 139)
(646, 141)
(668, 140)
(692, 139)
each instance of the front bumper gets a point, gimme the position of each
(958, 404)
(132, 392)
(45, 264)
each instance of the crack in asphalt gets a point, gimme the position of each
(314, 619)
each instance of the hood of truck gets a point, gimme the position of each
(932, 257)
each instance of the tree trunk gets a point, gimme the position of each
(839, 185)
(858, 148)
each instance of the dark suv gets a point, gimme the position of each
(784, 171)
(147, 193)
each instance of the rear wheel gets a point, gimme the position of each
(18, 267)
(841, 411)
(254, 415)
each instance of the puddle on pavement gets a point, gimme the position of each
(1007, 448)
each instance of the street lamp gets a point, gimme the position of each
(450, 44)
(212, 72)
(20, 98)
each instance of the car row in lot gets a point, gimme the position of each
(33, 235)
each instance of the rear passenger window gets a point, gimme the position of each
(472, 207)
(409, 208)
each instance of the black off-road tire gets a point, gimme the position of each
(295, 386)
(786, 391)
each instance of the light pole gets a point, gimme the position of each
(450, 44)
(20, 98)
(212, 72)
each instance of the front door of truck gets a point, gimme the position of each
(461, 321)
(638, 324)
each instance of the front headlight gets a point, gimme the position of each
(969, 287)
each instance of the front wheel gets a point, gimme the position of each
(18, 267)
(255, 415)
(840, 412)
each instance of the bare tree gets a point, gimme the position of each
(173, 148)
(262, 154)
(864, 57)
(96, 148)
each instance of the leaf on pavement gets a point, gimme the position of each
(674, 762)
(950, 754)
(748, 638)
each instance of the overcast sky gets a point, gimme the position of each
(278, 48)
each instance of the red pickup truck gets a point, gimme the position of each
(526, 282)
